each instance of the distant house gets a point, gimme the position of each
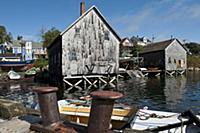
(38, 50)
(87, 46)
(29, 50)
(126, 48)
(2, 49)
(142, 41)
(169, 55)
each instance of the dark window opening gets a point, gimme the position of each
(106, 37)
(77, 31)
(169, 60)
(179, 62)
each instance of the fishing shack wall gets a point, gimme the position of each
(89, 47)
(55, 64)
(154, 59)
(175, 57)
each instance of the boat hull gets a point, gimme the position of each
(80, 114)
(151, 120)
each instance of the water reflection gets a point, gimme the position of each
(175, 94)
(174, 90)
(21, 92)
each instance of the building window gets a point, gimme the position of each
(77, 31)
(169, 60)
(72, 55)
(106, 37)
(175, 61)
(179, 62)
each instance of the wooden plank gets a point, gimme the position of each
(102, 80)
(87, 80)
(68, 82)
(77, 83)
(112, 79)
(94, 83)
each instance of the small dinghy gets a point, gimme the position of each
(79, 110)
(31, 72)
(165, 122)
(13, 75)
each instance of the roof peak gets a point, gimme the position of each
(93, 7)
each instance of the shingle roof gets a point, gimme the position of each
(37, 45)
(17, 43)
(158, 46)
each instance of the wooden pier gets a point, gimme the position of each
(88, 81)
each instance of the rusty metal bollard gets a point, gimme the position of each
(101, 110)
(48, 104)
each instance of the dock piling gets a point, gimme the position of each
(48, 104)
(101, 110)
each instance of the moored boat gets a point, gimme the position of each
(136, 119)
(79, 110)
(31, 72)
(163, 122)
(13, 75)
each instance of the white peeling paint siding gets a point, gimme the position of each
(175, 57)
(89, 43)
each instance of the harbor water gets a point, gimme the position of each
(175, 94)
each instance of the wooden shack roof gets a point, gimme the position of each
(82, 16)
(159, 46)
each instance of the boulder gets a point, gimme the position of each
(9, 109)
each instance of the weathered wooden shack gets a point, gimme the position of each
(169, 55)
(89, 46)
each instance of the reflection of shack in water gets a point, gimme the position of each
(174, 89)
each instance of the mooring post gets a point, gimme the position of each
(48, 104)
(101, 110)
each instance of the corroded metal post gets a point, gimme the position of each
(48, 104)
(101, 111)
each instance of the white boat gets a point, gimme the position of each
(79, 110)
(13, 75)
(162, 122)
(138, 120)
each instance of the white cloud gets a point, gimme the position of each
(159, 13)
(195, 11)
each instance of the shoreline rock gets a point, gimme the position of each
(10, 109)
(15, 126)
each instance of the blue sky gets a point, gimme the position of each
(158, 18)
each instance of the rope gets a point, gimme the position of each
(146, 116)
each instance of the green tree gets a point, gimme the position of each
(193, 61)
(193, 47)
(41, 62)
(4, 35)
(49, 36)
